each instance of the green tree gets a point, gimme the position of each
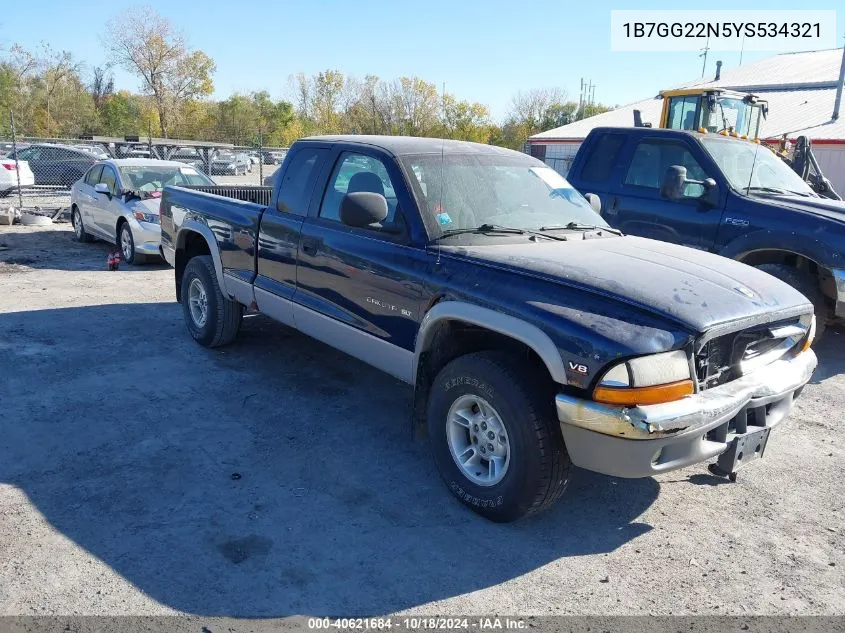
(464, 120)
(120, 114)
(147, 45)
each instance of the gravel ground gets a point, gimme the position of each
(143, 474)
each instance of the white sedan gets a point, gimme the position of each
(118, 201)
(11, 173)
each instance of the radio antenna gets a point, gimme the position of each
(753, 164)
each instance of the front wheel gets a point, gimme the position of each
(127, 246)
(495, 437)
(807, 285)
(212, 319)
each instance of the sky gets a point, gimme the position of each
(481, 51)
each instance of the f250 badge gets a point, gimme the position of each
(578, 368)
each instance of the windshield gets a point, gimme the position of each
(465, 191)
(157, 178)
(733, 114)
(737, 161)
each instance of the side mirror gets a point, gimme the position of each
(595, 202)
(103, 188)
(363, 208)
(674, 181)
(711, 192)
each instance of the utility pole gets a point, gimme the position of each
(704, 55)
(839, 87)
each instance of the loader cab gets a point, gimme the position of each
(713, 110)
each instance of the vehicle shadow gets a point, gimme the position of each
(54, 247)
(831, 352)
(272, 477)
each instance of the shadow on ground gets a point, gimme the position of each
(54, 247)
(831, 352)
(275, 476)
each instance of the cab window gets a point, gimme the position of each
(357, 172)
(109, 178)
(651, 159)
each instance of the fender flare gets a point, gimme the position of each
(766, 240)
(193, 226)
(510, 326)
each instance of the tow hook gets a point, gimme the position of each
(716, 470)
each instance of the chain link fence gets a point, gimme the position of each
(37, 174)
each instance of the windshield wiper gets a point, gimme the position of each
(497, 228)
(779, 190)
(577, 226)
(765, 189)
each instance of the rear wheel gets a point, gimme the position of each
(495, 437)
(212, 319)
(78, 226)
(807, 285)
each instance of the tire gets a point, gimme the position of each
(807, 285)
(79, 227)
(222, 315)
(126, 243)
(535, 471)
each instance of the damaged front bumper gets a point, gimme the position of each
(647, 440)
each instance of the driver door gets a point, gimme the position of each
(639, 209)
(355, 287)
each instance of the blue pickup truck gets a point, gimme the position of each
(536, 337)
(721, 194)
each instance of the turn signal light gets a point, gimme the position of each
(810, 336)
(633, 396)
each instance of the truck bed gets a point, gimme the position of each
(231, 213)
(247, 193)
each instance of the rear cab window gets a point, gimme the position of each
(299, 179)
(598, 164)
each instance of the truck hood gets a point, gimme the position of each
(695, 289)
(831, 209)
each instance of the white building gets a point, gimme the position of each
(800, 89)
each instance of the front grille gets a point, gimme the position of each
(727, 357)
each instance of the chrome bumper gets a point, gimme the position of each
(839, 279)
(647, 440)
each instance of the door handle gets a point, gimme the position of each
(311, 245)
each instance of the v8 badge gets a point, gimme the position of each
(578, 368)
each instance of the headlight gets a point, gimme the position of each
(647, 380)
(151, 218)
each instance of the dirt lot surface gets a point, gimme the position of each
(143, 474)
